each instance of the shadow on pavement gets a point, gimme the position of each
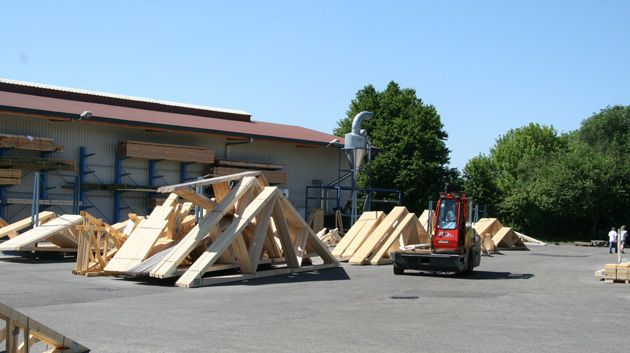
(475, 275)
(330, 274)
(42, 258)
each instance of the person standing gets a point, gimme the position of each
(623, 235)
(612, 240)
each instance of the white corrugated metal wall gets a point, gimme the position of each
(302, 164)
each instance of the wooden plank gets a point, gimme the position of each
(29, 238)
(313, 241)
(52, 338)
(167, 267)
(197, 199)
(140, 242)
(25, 223)
(11, 173)
(378, 236)
(35, 163)
(406, 226)
(210, 181)
(260, 233)
(10, 181)
(247, 164)
(161, 151)
(364, 233)
(273, 177)
(212, 254)
(361, 228)
(316, 219)
(29, 143)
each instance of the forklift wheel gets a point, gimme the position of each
(398, 270)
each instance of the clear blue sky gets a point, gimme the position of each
(487, 66)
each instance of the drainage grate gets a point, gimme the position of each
(404, 297)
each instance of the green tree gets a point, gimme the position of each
(575, 185)
(519, 149)
(479, 182)
(412, 154)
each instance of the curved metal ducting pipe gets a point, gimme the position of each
(358, 119)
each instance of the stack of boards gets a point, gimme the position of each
(616, 273)
(20, 333)
(375, 235)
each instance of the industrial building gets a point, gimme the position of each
(90, 165)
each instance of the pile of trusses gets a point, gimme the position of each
(247, 224)
(375, 235)
(20, 333)
(494, 236)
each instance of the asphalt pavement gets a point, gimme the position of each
(542, 300)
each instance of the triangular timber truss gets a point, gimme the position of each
(248, 224)
(20, 333)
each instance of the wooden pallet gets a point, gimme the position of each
(24, 334)
(160, 151)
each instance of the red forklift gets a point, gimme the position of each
(455, 246)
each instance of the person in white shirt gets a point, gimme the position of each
(612, 240)
(623, 235)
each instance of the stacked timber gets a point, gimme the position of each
(9, 176)
(375, 235)
(161, 151)
(29, 143)
(20, 333)
(12, 166)
(247, 224)
(617, 273)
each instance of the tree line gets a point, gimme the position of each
(551, 185)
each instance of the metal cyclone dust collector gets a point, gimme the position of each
(356, 146)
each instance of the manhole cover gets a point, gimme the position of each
(404, 297)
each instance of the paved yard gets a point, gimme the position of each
(543, 300)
